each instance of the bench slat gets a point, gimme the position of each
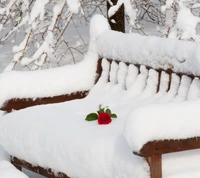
(37, 169)
(18, 103)
(169, 146)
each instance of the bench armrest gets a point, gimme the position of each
(72, 82)
(168, 146)
(21, 103)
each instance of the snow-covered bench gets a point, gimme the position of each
(140, 71)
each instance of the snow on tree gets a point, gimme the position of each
(42, 24)
(185, 23)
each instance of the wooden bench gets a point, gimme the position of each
(151, 151)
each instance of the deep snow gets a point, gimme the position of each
(104, 150)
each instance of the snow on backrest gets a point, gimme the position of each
(164, 83)
(194, 90)
(183, 89)
(113, 72)
(139, 84)
(158, 53)
(131, 75)
(173, 91)
(122, 73)
(152, 84)
(105, 72)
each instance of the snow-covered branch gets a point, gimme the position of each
(38, 29)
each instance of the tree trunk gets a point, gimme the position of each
(117, 20)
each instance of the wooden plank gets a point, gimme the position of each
(37, 169)
(168, 146)
(168, 71)
(155, 164)
(21, 103)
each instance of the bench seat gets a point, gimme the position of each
(57, 136)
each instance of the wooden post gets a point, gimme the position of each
(117, 21)
(155, 164)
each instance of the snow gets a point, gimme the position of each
(185, 25)
(102, 151)
(56, 12)
(38, 10)
(131, 75)
(3, 155)
(32, 84)
(67, 79)
(74, 5)
(167, 5)
(187, 22)
(164, 80)
(194, 91)
(46, 48)
(180, 56)
(176, 124)
(7, 170)
(98, 25)
(95, 151)
(68, 143)
(183, 88)
(175, 83)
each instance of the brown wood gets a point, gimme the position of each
(19, 103)
(99, 70)
(159, 81)
(153, 151)
(37, 169)
(118, 17)
(169, 146)
(155, 165)
(170, 80)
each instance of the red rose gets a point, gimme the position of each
(104, 118)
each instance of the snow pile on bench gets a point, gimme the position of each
(55, 81)
(51, 82)
(179, 56)
(57, 136)
(159, 121)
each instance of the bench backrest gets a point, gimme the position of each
(180, 84)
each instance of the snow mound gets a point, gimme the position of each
(57, 136)
(174, 120)
(98, 25)
(179, 56)
(51, 82)
(7, 170)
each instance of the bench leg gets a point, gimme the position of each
(155, 164)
